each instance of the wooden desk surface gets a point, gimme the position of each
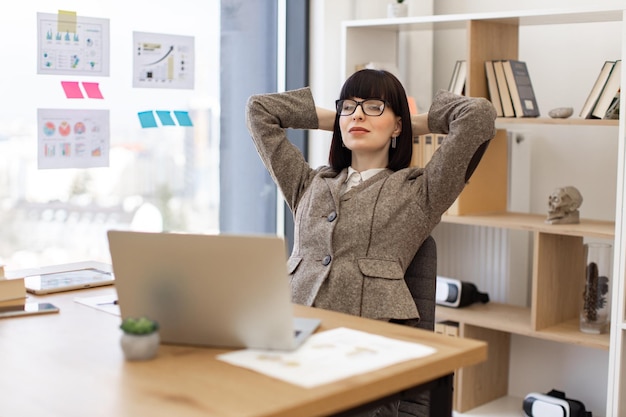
(70, 364)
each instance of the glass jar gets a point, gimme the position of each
(395, 9)
(595, 311)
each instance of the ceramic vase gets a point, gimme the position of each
(140, 347)
(595, 310)
(397, 10)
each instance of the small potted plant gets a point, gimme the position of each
(397, 8)
(140, 338)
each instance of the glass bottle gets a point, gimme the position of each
(595, 311)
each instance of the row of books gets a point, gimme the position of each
(423, 148)
(603, 99)
(510, 88)
(447, 327)
(512, 94)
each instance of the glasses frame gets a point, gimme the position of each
(360, 103)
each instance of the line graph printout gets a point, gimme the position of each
(163, 61)
(78, 49)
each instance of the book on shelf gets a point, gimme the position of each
(520, 88)
(596, 90)
(455, 71)
(459, 76)
(424, 146)
(613, 112)
(439, 140)
(503, 89)
(447, 327)
(428, 148)
(611, 88)
(492, 86)
(416, 157)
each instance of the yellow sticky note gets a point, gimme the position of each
(66, 21)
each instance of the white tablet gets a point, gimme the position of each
(65, 277)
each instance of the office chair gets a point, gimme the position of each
(421, 278)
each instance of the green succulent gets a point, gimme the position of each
(140, 325)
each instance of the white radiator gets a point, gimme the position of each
(498, 261)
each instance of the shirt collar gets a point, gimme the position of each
(365, 175)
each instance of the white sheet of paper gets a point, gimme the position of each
(82, 49)
(329, 356)
(163, 61)
(104, 303)
(70, 138)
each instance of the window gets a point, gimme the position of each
(160, 178)
(169, 177)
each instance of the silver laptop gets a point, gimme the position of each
(208, 290)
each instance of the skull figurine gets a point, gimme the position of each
(564, 203)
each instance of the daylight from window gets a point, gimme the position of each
(110, 120)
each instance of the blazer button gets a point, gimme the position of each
(326, 260)
(332, 216)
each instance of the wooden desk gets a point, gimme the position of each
(70, 364)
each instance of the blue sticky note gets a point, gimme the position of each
(146, 118)
(183, 118)
(165, 118)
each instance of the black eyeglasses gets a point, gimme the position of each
(370, 106)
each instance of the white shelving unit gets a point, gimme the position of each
(558, 252)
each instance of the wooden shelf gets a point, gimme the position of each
(536, 223)
(569, 332)
(507, 406)
(574, 121)
(558, 254)
(516, 320)
(493, 316)
(521, 18)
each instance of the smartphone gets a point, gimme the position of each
(28, 309)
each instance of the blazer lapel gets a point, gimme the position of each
(335, 183)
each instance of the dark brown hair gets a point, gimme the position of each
(369, 83)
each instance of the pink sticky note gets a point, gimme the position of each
(92, 90)
(72, 89)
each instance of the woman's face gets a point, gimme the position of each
(368, 134)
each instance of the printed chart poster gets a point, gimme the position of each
(77, 48)
(163, 61)
(72, 138)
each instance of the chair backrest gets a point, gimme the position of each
(421, 278)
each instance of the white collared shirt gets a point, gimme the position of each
(355, 177)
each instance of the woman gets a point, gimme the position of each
(360, 220)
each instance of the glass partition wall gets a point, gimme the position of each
(130, 115)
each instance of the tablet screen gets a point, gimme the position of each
(58, 281)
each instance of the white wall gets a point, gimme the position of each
(326, 80)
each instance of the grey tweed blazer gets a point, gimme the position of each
(350, 251)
